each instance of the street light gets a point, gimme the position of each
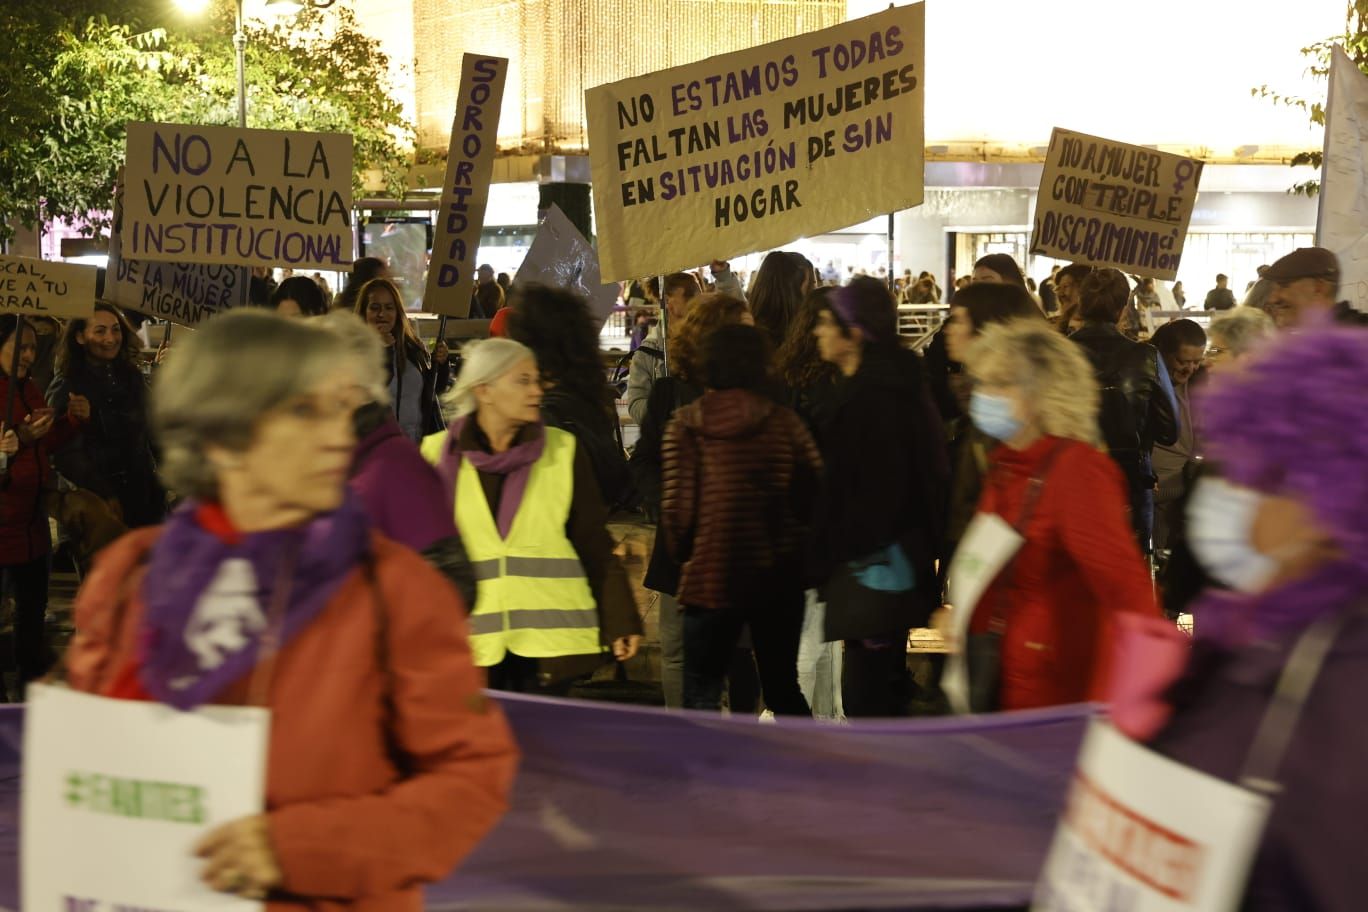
(240, 37)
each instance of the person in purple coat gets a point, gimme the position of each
(401, 492)
(1285, 529)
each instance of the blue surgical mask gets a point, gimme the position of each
(1220, 519)
(994, 415)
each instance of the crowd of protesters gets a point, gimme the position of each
(440, 520)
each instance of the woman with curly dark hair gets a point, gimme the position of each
(707, 314)
(810, 384)
(807, 378)
(99, 382)
(558, 327)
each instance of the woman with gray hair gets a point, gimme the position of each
(552, 595)
(1040, 632)
(1234, 335)
(400, 491)
(377, 721)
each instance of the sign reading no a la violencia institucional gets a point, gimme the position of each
(753, 149)
(199, 194)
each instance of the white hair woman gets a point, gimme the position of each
(1234, 335)
(399, 489)
(1040, 633)
(378, 725)
(551, 593)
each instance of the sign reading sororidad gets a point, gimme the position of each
(43, 288)
(750, 150)
(184, 293)
(1143, 833)
(470, 165)
(197, 194)
(1108, 203)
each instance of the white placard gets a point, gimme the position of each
(988, 544)
(1342, 225)
(116, 793)
(1143, 833)
(561, 257)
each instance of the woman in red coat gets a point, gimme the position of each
(25, 542)
(1052, 604)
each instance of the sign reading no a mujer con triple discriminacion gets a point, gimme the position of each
(1109, 203)
(751, 150)
(200, 194)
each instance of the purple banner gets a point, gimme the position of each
(640, 809)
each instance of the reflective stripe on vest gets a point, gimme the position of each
(533, 598)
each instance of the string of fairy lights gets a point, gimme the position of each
(559, 48)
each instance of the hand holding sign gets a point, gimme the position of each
(239, 859)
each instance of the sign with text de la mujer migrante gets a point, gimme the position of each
(1108, 203)
(753, 149)
(200, 194)
(183, 293)
(465, 194)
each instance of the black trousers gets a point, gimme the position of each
(519, 674)
(29, 583)
(874, 678)
(710, 637)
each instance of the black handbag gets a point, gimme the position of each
(983, 651)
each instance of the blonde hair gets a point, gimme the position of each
(365, 348)
(482, 364)
(1054, 375)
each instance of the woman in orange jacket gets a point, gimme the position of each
(386, 765)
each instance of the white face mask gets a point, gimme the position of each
(1220, 519)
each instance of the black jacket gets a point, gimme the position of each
(885, 483)
(1136, 412)
(113, 456)
(596, 432)
(668, 395)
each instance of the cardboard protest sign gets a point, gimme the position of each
(1143, 833)
(198, 194)
(184, 293)
(750, 150)
(465, 194)
(117, 792)
(561, 257)
(1107, 203)
(43, 288)
(1342, 222)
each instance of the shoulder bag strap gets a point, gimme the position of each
(1261, 766)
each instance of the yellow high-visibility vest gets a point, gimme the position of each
(533, 598)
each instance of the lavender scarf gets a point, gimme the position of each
(515, 464)
(208, 601)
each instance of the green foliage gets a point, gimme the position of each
(70, 83)
(1355, 44)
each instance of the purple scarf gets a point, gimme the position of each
(515, 464)
(1232, 620)
(208, 600)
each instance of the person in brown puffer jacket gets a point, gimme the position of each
(740, 486)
